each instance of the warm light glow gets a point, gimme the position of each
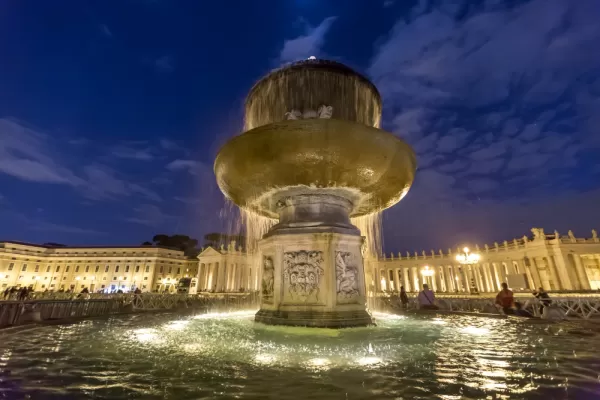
(37, 278)
(475, 331)
(92, 278)
(312, 58)
(368, 360)
(467, 257)
(77, 278)
(426, 271)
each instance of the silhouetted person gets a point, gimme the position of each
(505, 299)
(426, 299)
(544, 299)
(403, 298)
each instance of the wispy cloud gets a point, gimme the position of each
(105, 30)
(497, 100)
(30, 155)
(308, 44)
(151, 215)
(164, 64)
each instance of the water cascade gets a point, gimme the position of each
(311, 172)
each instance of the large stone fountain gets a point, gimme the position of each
(312, 156)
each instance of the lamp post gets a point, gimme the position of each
(427, 274)
(467, 259)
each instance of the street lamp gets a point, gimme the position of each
(468, 259)
(427, 273)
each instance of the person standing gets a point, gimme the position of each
(544, 299)
(426, 299)
(505, 299)
(403, 298)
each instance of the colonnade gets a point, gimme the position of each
(227, 277)
(571, 272)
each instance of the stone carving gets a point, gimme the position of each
(302, 273)
(346, 274)
(268, 279)
(571, 236)
(325, 112)
(538, 234)
(293, 115)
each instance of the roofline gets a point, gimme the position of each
(88, 247)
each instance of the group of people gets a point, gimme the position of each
(426, 298)
(506, 300)
(19, 294)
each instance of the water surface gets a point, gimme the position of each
(228, 356)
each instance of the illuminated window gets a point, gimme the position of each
(87, 268)
(147, 268)
(106, 269)
(97, 268)
(127, 268)
(67, 269)
(24, 268)
(48, 269)
(137, 268)
(77, 268)
(58, 268)
(117, 268)
(12, 265)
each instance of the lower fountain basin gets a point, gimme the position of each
(228, 356)
(372, 168)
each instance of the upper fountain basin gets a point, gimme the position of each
(307, 85)
(370, 167)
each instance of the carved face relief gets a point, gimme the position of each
(346, 273)
(268, 279)
(302, 273)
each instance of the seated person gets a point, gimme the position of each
(426, 299)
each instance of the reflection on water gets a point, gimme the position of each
(226, 355)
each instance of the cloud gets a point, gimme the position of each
(164, 64)
(497, 100)
(105, 30)
(151, 215)
(133, 153)
(38, 224)
(306, 45)
(29, 155)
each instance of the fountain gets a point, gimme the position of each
(312, 157)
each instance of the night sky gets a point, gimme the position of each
(111, 112)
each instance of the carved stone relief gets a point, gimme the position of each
(324, 112)
(268, 279)
(302, 274)
(346, 273)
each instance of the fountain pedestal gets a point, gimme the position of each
(313, 272)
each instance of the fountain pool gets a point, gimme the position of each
(229, 356)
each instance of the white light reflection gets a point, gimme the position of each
(319, 363)
(232, 314)
(146, 335)
(369, 361)
(438, 321)
(473, 330)
(381, 315)
(265, 358)
(176, 325)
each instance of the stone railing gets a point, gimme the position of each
(572, 308)
(65, 305)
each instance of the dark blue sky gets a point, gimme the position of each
(111, 112)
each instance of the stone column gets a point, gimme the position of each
(553, 272)
(405, 273)
(459, 281)
(581, 273)
(416, 279)
(559, 264)
(537, 280)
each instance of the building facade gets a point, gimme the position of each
(551, 261)
(105, 269)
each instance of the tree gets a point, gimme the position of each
(181, 242)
